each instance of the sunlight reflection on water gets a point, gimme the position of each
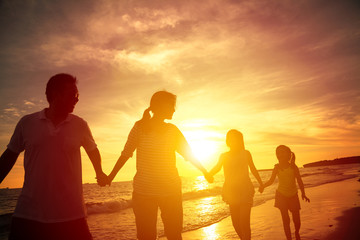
(211, 233)
(200, 183)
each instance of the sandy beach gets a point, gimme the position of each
(332, 214)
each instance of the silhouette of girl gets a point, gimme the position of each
(286, 197)
(238, 190)
(157, 183)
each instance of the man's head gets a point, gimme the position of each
(62, 93)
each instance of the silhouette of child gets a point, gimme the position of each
(286, 197)
(238, 190)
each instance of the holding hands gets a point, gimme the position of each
(261, 188)
(209, 177)
(103, 180)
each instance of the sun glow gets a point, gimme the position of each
(203, 145)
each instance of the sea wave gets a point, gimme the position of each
(202, 193)
(108, 206)
(121, 204)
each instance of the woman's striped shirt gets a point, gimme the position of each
(156, 174)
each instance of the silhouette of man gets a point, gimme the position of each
(51, 204)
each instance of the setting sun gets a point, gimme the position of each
(203, 144)
(203, 150)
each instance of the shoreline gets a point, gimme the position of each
(332, 214)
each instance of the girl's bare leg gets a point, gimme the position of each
(286, 223)
(235, 218)
(297, 223)
(245, 212)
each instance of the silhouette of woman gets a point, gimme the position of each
(157, 183)
(238, 190)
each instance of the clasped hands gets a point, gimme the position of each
(261, 188)
(209, 177)
(103, 179)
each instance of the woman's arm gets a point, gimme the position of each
(119, 164)
(184, 149)
(199, 166)
(129, 148)
(301, 184)
(187, 154)
(254, 171)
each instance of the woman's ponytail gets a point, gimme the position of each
(146, 115)
(145, 120)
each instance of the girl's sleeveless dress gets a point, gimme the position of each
(238, 188)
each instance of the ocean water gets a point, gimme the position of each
(110, 214)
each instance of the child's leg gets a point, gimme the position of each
(245, 221)
(286, 223)
(235, 218)
(297, 223)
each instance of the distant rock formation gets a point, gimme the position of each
(345, 160)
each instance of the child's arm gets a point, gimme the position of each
(271, 180)
(301, 184)
(254, 171)
(217, 167)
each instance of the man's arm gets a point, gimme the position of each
(7, 161)
(95, 159)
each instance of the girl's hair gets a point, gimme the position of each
(282, 151)
(235, 139)
(292, 159)
(158, 100)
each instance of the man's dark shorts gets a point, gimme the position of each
(28, 229)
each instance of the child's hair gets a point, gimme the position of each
(235, 139)
(283, 153)
(158, 100)
(292, 159)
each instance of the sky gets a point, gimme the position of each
(281, 72)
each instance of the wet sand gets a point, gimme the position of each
(332, 214)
